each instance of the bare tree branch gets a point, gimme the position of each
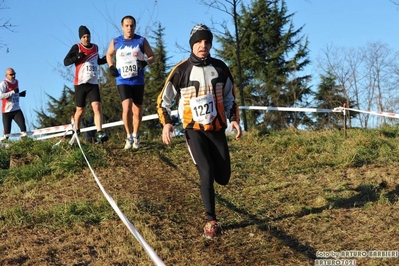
(218, 5)
(5, 24)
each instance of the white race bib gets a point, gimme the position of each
(203, 109)
(129, 68)
(88, 71)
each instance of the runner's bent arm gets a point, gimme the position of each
(165, 101)
(148, 51)
(229, 99)
(72, 55)
(110, 53)
(3, 93)
(102, 60)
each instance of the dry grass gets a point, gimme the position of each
(291, 194)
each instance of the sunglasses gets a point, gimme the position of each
(12, 74)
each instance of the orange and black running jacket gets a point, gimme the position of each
(205, 92)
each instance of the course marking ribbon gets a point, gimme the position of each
(154, 257)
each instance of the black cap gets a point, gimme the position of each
(200, 32)
(83, 30)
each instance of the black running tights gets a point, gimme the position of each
(210, 153)
(18, 117)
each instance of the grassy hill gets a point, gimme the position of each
(292, 195)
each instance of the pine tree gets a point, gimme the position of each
(272, 55)
(59, 111)
(329, 96)
(155, 79)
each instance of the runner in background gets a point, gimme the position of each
(130, 50)
(85, 57)
(10, 108)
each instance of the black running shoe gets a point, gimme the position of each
(101, 137)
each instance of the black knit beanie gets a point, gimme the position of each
(200, 32)
(83, 30)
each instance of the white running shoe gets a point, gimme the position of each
(136, 143)
(129, 143)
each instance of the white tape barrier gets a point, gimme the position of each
(286, 109)
(154, 257)
(51, 132)
(317, 110)
(35, 132)
(64, 135)
(69, 129)
(379, 113)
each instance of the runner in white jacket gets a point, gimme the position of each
(10, 109)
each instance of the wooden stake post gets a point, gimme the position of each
(345, 133)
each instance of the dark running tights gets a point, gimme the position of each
(18, 117)
(210, 153)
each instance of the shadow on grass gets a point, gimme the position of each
(19, 261)
(393, 195)
(251, 219)
(167, 161)
(366, 193)
(265, 225)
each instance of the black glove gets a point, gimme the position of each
(114, 72)
(80, 55)
(141, 64)
(16, 90)
(102, 60)
(22, 94)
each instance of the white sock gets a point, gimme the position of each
(129, 136)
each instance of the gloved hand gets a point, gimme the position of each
(80, 55)
(102, 60)
(22, 94)
(141, 64)
(16, 90)
(114, 72)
